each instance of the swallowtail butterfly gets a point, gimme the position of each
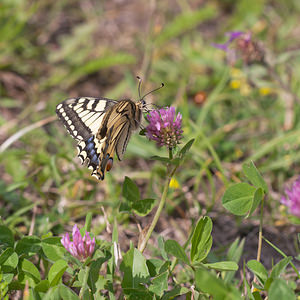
(102, 127)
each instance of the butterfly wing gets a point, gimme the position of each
(123, 119)
(83, 117)
(102, 128)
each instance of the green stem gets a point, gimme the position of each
(145, 240)
(282, 253)
(215, 156)
(260, 230)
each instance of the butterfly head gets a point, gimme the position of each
(142, 103)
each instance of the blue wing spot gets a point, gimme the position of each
(95, 159)
(90, 139)
(90, 146)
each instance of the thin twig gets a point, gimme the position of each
(260, 230)
(32, 220)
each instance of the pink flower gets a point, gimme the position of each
(81, 248)
(163, 128)
(292, 201)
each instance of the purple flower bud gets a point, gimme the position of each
(292, 201)
(81, 248)
(163, 129)
(241, 45)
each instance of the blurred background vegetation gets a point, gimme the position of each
(53, 50)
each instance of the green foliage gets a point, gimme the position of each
(52, 50)
(201, 240)
(141, 207)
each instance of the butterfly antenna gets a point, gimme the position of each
(139, 86)
(161, 86)
(153, 105)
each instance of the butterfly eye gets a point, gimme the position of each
(109, 164)
(143, 102)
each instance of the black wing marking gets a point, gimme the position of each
(82, 117)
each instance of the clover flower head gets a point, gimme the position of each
(232, 36)
(164, 128)
(80, 247)
(241, 45)
(292, 201)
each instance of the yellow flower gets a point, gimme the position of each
(238, 153)
(174, 184)
(235, 84)
(236, 73)
(265, 91)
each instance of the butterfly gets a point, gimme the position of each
(102, 127)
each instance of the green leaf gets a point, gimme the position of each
(31, 270)
(235, 250)
(184, 22)
(42, 286)
(6, 237)
(257, 198)
(94, 271)
(254, 176)
(88, 222)
(135, 270)
(125, 208)
(7, 277)
(186, 148)
(5, 255)
(11, 262)
(256, 295)
(66, 293)
(201, 240)
(176, 161)
(52, 294)
(234, 253)
(160, 158)
(28, 245)
(238, 198)
(176, 291)
(209, 283)
(161, 246)
(159, 284)
(143, 207)
(52, 248)
(258, 269)
(280, 267)
(173, 248)
(56, 272)
(137, 294)
(279, 289)
(130, 190)
(223, 266)
(154, 265)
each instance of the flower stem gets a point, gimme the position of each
(144, 242)
(260, 230)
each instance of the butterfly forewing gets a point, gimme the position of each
(82, 116)
(102, 127)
